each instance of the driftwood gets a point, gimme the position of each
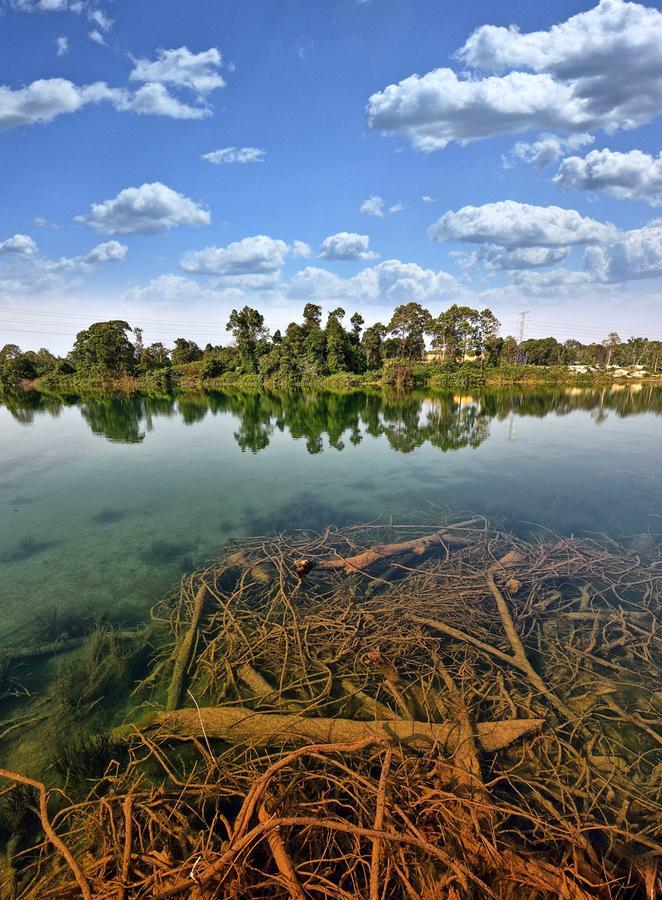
(184, 650)
(242, 725)
(380, 552)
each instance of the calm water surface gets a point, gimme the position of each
(106, 503)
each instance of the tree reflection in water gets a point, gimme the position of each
(444, 420)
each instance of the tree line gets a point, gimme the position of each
(312, 347)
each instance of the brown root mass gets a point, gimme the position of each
(415, 712)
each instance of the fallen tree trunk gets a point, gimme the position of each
(379, 552)
(240, 725)
(184, 650)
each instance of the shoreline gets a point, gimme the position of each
(181, 379)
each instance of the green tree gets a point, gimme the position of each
(156, 356)
(373, 345)
(15, 366)
(543, 351)
(338, 347)
(247, 327)
(486, 330)
(456, 331)
(314, 341)
(410, 323)
(104, 348)
(312, 316)
(358, 322)
(185, 351)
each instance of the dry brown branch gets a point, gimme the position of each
(55, 840)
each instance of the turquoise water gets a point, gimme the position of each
(104, 504)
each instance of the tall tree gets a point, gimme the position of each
(410, 323)
(337, 342)
(314, 340)
(373, 345)
(454, 331)
(486, 330)
(612, 340)
(247, 326)
(358, 322)
(312, 316)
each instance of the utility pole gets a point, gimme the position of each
(520, 356)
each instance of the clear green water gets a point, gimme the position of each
(106, 503)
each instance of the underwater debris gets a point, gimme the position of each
(469, 715)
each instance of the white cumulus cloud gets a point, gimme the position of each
(21, 244)
(375, 206)
(498, 258)
(24, 270)
(390, 282)
(177, 289)
(62, 45)
(99, 18)
(258, 255)
(235, 155)
(632, 256)
(511, 225)
(110, 251)
(346, 245)
(302, 249)
(634, 175)
(154, 100)
(182, 68)
(46, 99)
(547, 149)
(148, 209)
(32, 6)
(601, 69)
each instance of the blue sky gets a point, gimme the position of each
(166, 162)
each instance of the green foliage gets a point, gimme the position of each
(158, 379)
(338, 345)
(15, 366)
(185, 351)
(399, 374)
(156, 356)
(247, 327)
(543, 352)
(100, 674)
(373, 346)
(105, 349)
(460, 331)
(410, 323)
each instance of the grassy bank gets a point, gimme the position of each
(404, 376)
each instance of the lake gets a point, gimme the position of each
(107, 502)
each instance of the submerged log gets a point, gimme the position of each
(240, 725)
(379, 552)
(184, 650)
